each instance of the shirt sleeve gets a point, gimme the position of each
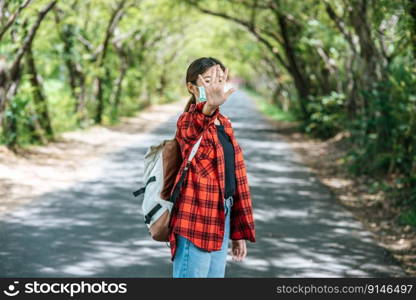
(242, 219)
(191, 124)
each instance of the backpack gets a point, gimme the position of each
(161, 166)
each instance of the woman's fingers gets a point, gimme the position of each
(215, 89)
(202, 80)
(241, 255)
(242, 250)
(229, 92)
(214, 75)
(236, 253)
(239, 251)
(225, 74)
(221, 80)
(244, 254)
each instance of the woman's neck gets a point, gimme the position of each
(217, 122)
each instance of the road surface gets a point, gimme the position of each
(95, 228)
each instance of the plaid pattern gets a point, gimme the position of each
(198, 213)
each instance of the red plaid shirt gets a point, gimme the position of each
(198, 213)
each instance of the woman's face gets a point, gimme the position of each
(207, 78)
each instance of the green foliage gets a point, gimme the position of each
(409, 217)
(149, 41)
(327, 116)
(386, 134)
(269, 109)
(21, 123)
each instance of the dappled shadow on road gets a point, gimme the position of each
(301, 230)
(302, 233)
(95, 228)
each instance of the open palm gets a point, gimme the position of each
(215, 88)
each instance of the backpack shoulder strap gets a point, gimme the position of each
(194, 149)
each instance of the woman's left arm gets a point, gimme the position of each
(242, 219)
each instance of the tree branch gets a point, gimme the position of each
(250, 27)
(340, 25)
(30, 36)
(13, 17)
(115, 18)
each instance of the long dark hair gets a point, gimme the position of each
(197, 67)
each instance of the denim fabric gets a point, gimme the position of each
(191, 261)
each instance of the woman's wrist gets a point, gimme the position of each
(209, 109)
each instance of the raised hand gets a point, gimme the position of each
(214, 90)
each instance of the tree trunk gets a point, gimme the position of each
(9, 125)
(101, 79)
(75, 74)
(300, 81)
(10, 74)
(118, 86)
(39, 99)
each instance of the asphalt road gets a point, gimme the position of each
(95, 228)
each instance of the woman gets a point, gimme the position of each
(214, 203)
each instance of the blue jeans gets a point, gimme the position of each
(192, 261)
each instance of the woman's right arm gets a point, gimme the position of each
(192, 123)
